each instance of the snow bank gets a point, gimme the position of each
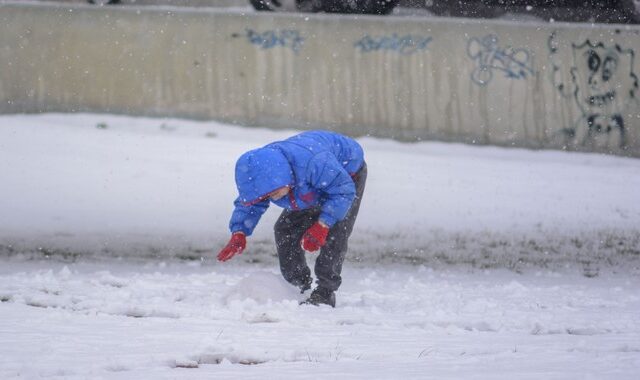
(104, 185)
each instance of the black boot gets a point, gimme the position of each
(321, 296)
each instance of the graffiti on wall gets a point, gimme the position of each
(489, 57)
(286, 38)
(601, 81)
(403, 45)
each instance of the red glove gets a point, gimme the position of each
(315, 237)
(235, 246)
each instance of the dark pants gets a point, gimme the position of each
(290, 227)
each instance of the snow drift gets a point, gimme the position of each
(104, 185)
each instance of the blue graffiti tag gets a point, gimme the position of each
(273, 38)
(488, 56)
(404, 45)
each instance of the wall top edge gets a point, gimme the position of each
(365, 19)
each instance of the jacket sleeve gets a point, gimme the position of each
(245, 218)
(335, 186)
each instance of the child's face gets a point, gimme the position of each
(279, 193)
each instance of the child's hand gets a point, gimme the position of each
(235, 246)
(315, 237)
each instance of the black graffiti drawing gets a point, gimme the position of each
(514, 63)
(603, 86)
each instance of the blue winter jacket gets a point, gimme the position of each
(317, 166)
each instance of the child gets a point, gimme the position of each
(318, 177)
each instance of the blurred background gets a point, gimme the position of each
(618, 11)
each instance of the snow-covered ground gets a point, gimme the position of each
(94, 210)
(132, 320)
(107, 185)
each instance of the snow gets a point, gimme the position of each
(187, 320)
(525, 263)
(104, 185)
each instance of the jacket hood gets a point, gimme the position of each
(261, 171)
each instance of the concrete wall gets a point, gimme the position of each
(521, 84)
